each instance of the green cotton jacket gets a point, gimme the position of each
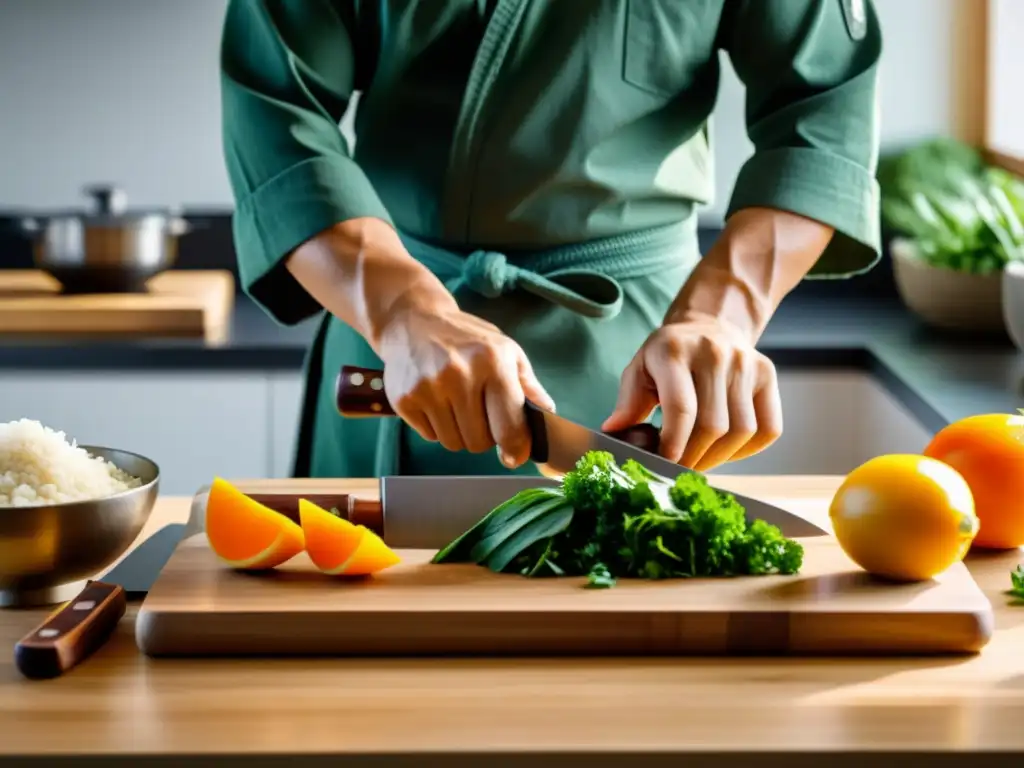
(529, 124)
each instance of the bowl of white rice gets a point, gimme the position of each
(67, 511)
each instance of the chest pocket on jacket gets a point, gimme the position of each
(664, 41)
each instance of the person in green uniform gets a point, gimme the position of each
(518, 217)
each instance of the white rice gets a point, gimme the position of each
(39, 466)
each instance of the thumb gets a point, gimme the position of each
(532, 387)
(637, 399)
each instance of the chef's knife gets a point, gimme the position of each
(79, 627)
(557, 444)
(422, 512)
(410, 513)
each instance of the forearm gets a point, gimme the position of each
(761, 256)
(360, 272)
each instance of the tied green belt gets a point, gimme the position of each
(582, 278)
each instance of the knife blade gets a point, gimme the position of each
(557, 444)
(79, 627)
(410, 512)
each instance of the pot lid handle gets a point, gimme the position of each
(109, 199)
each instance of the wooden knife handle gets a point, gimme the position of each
(359, 511)
(72, 633)
(359, 392)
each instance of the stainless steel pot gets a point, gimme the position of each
(108, 249)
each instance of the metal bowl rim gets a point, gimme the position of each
(101, 499)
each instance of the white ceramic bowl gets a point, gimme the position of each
(1013, 302)
(946, 298)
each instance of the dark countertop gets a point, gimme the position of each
(939, 377)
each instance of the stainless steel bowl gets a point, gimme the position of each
(111, 249)
(47, 552)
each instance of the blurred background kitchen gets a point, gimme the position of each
(122, 96)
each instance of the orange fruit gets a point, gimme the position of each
(988, 450)
(338, 547)
(904, 517)
(246, 534)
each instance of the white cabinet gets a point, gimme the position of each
(285, 391)
(193, 425)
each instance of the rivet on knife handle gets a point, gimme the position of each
(360, 392)
(73, 633)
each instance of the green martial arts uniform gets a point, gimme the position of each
(544, 158)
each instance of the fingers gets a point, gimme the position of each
(767, 405)
(679, 408)
(442, 421)
(637, 398)
(719, 398)
(531, 387)
(458, 380)
(741, 416)
(471, 418)
(479, 407)
(712, 421)
(418, 420)
(504, 399)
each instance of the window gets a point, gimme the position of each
(1004, 97)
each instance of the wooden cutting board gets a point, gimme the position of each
(180, 303)
(197, 607)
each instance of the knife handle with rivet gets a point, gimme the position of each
(72, 633)
(359, 392)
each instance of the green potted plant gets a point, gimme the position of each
(956, 224)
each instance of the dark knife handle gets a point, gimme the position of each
(359, 392)
(73, 633)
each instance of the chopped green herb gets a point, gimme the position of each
(1017, 582)
(608, 522)
(600, 577)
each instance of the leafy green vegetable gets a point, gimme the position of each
(608, 522)
(959, 213)
(502, 536)
(1017, 582)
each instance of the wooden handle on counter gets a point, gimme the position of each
(72, 633)
(359, 393)
(366, 512)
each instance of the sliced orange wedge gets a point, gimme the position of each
(339, 548)
(246, 534)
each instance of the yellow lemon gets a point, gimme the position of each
(904, 517)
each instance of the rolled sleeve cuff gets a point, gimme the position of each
(824, 187)
(286, 211)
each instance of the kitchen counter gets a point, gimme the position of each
(123, 708)
(940, 377)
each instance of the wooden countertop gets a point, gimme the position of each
(120, 703)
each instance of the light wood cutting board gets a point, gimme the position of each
(180, 303)
(198, 607)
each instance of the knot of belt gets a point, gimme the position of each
(489, 274)
(583, 278)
